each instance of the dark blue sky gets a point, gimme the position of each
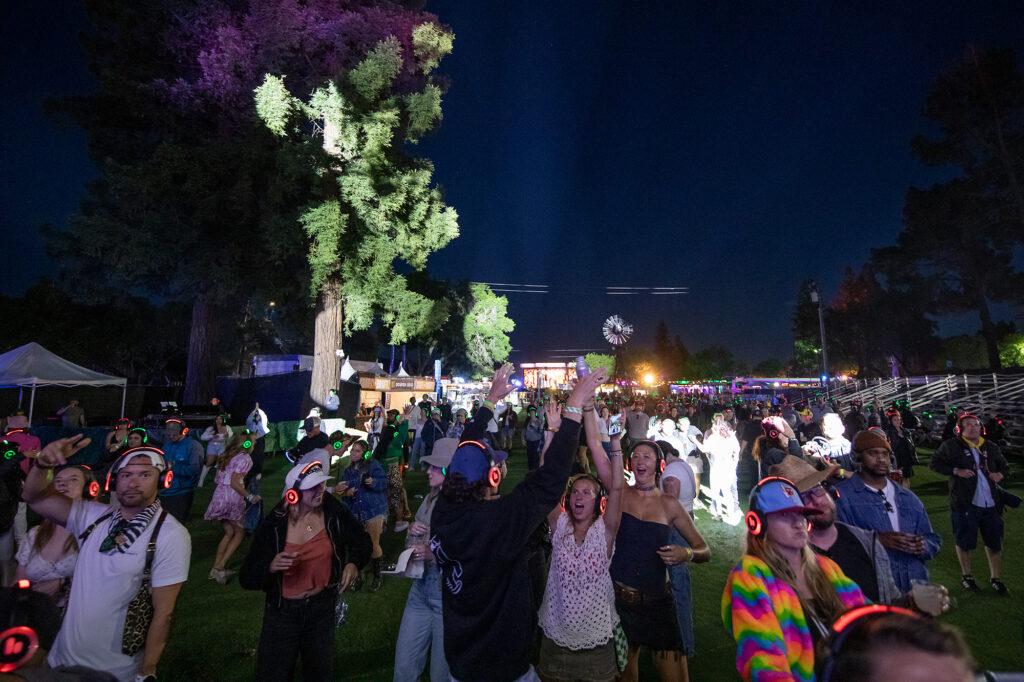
(731, 147)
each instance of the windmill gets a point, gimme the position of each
(617, 332)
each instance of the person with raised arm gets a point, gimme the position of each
(479, 539)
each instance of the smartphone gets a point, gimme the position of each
(615, 425)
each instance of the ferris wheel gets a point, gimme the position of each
(616, 330)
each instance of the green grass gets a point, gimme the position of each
(217, 627)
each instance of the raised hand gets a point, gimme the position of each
(586, 387)
(59, 451)
(500, 386)
(553, 415)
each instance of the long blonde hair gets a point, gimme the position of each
(824, 603)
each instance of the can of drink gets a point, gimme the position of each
(582, 369)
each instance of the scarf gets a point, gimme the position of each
(124, 532)
(982, 455)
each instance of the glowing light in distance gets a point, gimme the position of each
(649, 379)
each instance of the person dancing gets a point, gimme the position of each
(643, 595)
(229, 499)
(577, 615)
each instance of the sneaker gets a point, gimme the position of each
(376, 584)
(967, 582)
(401, 525)
(357, 585)
(1000, 588)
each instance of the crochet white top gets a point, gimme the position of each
(578, 611)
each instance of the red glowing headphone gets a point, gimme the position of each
(755, 518)
(291, 496)
(960, 421)
(18, 643)
(657, 453)
(180, 423)
(600, 504)
(165, 481)
(91, 488)
(841, 629)
(493, 471)
(771, 431)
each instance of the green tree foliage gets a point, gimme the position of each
(868, 325)
(1011, 350)
(955, 254)
(713, 362)
(381, 207)
(806, 358)
(486, 329)
(596, 360)
(772, 367)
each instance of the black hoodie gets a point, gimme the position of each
(480, 548)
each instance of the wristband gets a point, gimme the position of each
(552, 430)
(488, 404)
(588, 409)
(573, 410)
(689, 554)
(37, 465)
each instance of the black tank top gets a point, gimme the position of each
(636, 562)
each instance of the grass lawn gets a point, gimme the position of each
(216, 627)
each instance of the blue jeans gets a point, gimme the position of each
(679, 575)
(422, 631)
(253, 512)
(417, 452)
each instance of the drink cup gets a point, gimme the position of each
(927, 597)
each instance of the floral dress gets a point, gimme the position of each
(226, 504)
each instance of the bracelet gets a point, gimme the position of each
(37, 465)
(552, 430)
(588, 409)
(573, 410)
(488, 404)
(614, 452)
(689, 554)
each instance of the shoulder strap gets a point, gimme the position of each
(151, 547)
(88, 531)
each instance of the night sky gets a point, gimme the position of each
(734, 148)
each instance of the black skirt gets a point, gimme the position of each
(649, 619)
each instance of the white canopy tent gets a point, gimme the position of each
(31, 366)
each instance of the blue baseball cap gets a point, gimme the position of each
(777, 496)
(473, 459)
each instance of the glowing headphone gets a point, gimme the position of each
(165, 480)
(247, 443)
(9, 450)
(145, 434)
(180, 423)
(493, 471)
(960, 420)
(755, 518)
(600, 504)
(657, 453)
(91, 488)
(840, 630)
(18, 643)
(292, 494)
(771, 431)
(123, 420)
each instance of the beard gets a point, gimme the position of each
(824, 521)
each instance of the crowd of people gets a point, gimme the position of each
(580, 567)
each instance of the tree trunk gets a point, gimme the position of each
(200, 378)
(988, 331)
(326, 340)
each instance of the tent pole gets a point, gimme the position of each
(124, 392)
(31, 405)
(21, 394)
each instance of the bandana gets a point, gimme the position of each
(124, 532)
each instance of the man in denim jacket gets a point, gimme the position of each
(870, 500)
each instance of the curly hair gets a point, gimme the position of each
(457, 490)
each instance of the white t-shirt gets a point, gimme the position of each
(104, 584)
(682, 472)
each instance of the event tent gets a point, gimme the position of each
(32, 365)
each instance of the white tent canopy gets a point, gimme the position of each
(32, 365)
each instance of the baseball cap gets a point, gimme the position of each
(778, 496)
(155, 456)
(314, 475)
(309, 422)
(473, 459)
(441, 455)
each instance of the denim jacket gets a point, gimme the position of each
(859, 506)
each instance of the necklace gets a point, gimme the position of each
(645, 489)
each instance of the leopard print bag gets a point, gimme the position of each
(140, 609)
